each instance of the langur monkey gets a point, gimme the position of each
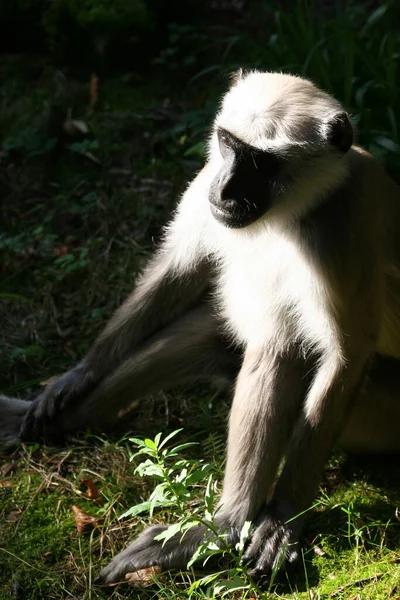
(280, 271)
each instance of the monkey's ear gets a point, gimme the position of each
(340, 132)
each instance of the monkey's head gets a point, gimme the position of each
(279, 141)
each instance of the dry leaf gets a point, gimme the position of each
(84, 522)
(92, 492)
(62, 250)
(7, 468)
(93, 92)
(13, 516)
(6, 483)
(143, 577)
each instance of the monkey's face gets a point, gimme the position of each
(246, 184)
(279, 143)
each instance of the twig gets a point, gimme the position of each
(358, 582)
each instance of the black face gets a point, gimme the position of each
(244, 188)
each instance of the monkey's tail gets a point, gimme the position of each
(12, 414)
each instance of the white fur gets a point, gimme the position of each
(262, 102)
(267, 291)
(270, 295)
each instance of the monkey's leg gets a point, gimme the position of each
(149, 309)
(279, 524)
(265, 407)
(174, 281)
(189, 349)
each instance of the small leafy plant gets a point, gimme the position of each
(178, 489)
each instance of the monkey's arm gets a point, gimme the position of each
(175, 279)
(357, 287)
(279, 525)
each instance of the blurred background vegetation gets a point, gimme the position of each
(104, 108)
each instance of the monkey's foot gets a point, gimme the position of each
(12, 414)
(273, 544)
(148, 552)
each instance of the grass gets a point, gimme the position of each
(78, 222)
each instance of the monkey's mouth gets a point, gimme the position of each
(231, 216)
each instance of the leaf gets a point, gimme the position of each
(226, 587)
(13, 516)
(171, 435)
(143, 577)
(92, 492)
(7, 468)
(167, 534)
(136, 510)
(150, 444)
(6, 296)
(150, 469)
(143, 507)
(244, 534)
(84, 522)
(137, 442)
(177, 449)
(205, 580)
(205, 551)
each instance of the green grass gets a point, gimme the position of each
(78, 222)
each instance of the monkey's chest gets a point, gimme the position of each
(277, 301)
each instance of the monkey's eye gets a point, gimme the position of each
(225, 143)
(224, 140)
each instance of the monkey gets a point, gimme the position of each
(278, 274)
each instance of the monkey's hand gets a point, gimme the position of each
(273, 544)
(144, 552)
(59, 395)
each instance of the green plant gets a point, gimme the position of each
(178, 489)
(178, 477)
